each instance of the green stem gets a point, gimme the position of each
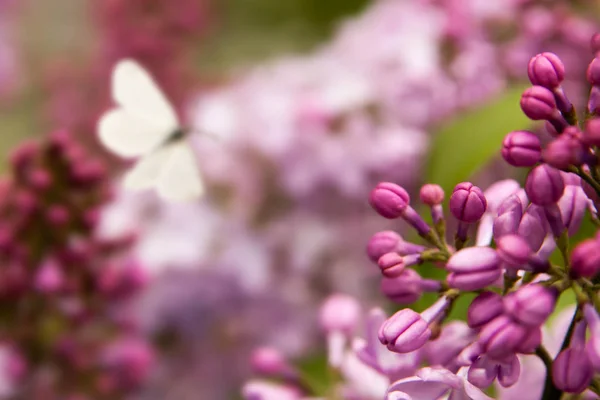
(592, 182)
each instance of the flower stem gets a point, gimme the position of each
(551, 392)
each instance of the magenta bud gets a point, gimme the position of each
(544, 185)
(593, 72)
(389, 200)
(403, 289)
(404, 332)
(593, 344)
(49, 278)
(57, 215)
(591, 133)
(432, 194)
(546, 70)
(22, 156)
(521, 149)
(40, 179)
(573, 205)
(269, 361)
(585, 259)
(467, 202)
(381, 243)
(563, 152)
(530, 305)
(392, 264)
(531, 342)
(502, 336)
(595, 43)
(572, 371)
(513, 250)
(473, 268)
(484, 308)
(538, 103)
(339, 312)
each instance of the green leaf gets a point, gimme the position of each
(466, 144)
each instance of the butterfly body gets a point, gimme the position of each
(145, 126)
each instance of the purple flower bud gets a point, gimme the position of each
(403, 289)
(484, 308)
(538, 103)
(513, 250)
(521, 149)
(22, 156)
(533, 227)
(432, 194)
(531, 342)
(467, 202)
(530, 305)
(544, 185)
(502, 336)
(509, 217)
(404, 332)
(573, 205)
(474, 268)
(381, 243)
(269, 361)
(57, 215)
(593, 345)
(339, 312)
(40, 179)
(591, 133)
(572, 370)
(389, 200)
(546, 70)
(585, 259)
(593, 72)
(595, 43)
(563, 152)
(49, 278)
(393, 264)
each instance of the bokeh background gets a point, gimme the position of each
(313, 103)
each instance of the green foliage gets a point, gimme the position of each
(249, 31)
(463, 146)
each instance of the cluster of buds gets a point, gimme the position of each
(501, 256)
(63, 289)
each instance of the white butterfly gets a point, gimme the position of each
(145, 125)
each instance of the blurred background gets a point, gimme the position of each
(114, 294)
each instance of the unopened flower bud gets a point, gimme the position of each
(473, 268)
(381, 243)
(269, 361)
(467, 202)
(502, 336)
(521, 149)
(389, 200)
(538, 103)
(432, 194)
(513, 250)
(585, 259)
(484, 308)
(530, 305)
(591, 133)
(572, 370)
(593, 72)
(405, 288)
(546, 70)
(393, 264)
(544, 185)
(339, 312)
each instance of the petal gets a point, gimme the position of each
(416, 389)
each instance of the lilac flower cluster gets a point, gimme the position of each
(64, 327)
(501, 253)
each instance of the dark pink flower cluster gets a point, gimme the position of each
(63, 291)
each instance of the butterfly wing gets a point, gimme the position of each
(144, 119)
(136, 92)
(128, 135)
(179, 178)
(145, 173)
